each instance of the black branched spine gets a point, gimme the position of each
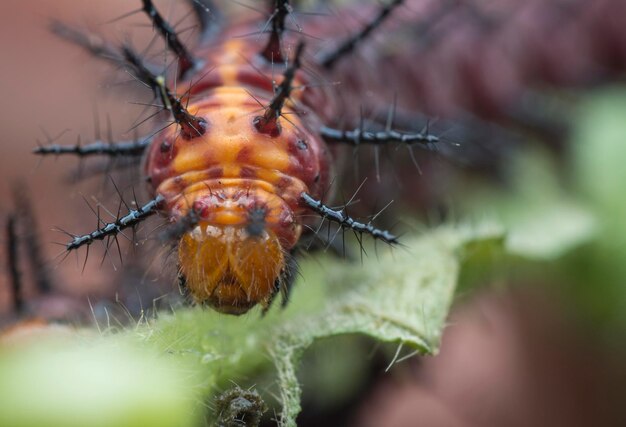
(117, 149)
(329, 59)
(345, 221)
(360, 136)
(186, 61)
(134, 217)
(273, 51)
(268, 123)
(191, 126)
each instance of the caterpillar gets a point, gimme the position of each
(256, 121)
(244, 159)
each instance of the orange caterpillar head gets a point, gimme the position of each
(230, 269)
(231, 264)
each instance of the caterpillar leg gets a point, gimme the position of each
(284, 283)
(287, 279)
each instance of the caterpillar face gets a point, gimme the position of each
(229, 268)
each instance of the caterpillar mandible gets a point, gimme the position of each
(246, 154)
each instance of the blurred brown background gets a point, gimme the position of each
(49, 86)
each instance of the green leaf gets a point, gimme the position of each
(599, 150)
(544, 221)
(550, 231)
(598, 153)
(403, 296)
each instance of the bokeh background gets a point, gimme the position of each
(535, 343)
(50, 86)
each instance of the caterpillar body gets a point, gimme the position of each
(248, 159)
(243, 178)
